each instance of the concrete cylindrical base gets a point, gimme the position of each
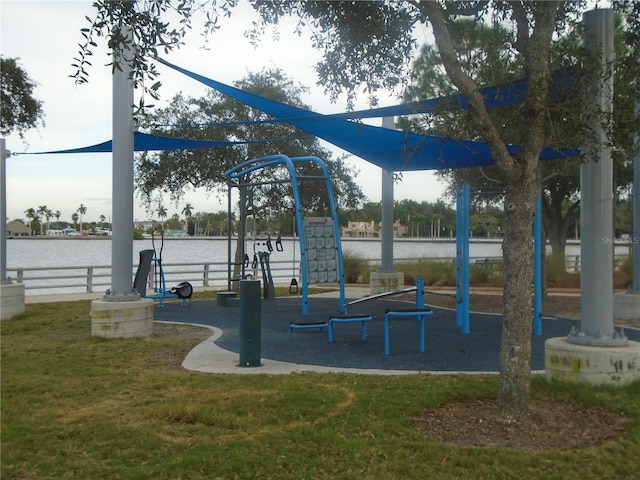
(122, 319)
(222, 298)
(626, 306)
(590, 364)
(11, 300)
(381, 282)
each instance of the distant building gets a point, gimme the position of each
(371, 230)
(16, 228)
(144, 225)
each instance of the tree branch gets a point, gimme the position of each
(467, 86)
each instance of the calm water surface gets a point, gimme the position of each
(25, 253)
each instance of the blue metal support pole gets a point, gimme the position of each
(419, 292)
(537, 268)
(462, 258)
(459, 222)
(465, 261)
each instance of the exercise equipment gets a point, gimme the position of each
(293, 286)
(183, 290)
(320, 244)
(262, 258)
(463, 199)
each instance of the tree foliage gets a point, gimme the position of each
(218, 117)
(486, 55)
(222, 118)
(21, 111)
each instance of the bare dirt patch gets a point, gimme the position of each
(549, 425)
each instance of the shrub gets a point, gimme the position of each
(356, 268)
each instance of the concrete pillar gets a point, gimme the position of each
(11, 300)
(595, 353)
(122, 183)
(121, 312)
(626, 306)
(11, 294)
(596, 195)
(386, 279)
(4, 154)
(387, 219)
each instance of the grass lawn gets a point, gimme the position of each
(79, 407)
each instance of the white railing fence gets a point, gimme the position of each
(97, 278)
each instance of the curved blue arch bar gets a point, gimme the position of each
(267, 161)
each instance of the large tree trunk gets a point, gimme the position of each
(521, 170)
(557, 225)
(515, 348)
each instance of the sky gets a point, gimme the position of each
(44, 36)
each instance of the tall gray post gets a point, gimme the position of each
(11, 294)
(635, 241)
(596, 201)
(386, 264)
(121, 313)
(386, 279)
(122, 187)
(250, 323)
(4, 154)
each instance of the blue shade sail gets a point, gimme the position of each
(144, 142)
(389, 149)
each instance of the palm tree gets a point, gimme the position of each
(42, 211)
(162, 214)
(102, 219)
(32, 215)
(74, 217)
(48, 214)
(187, 212)
(81, 210)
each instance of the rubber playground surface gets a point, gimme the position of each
(446, 348)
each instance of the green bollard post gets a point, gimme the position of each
(250, 318)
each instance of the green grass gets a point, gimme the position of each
(77, 407)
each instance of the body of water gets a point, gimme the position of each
(27, 253)
(79, 254)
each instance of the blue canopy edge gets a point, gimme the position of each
(144, 142)
(389, 149)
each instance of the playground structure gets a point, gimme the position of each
(319, 237)
(419, 311)
(463, 199)
(329, 242)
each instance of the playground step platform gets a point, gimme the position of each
(349, 319)
(227, 299)
(307, 326)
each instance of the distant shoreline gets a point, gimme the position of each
(350, 239)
